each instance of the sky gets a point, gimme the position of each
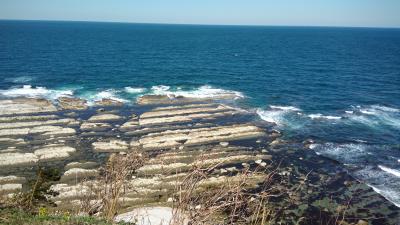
(353, 13)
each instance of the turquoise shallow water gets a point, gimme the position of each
(338, 86)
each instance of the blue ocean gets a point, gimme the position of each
(339, 87)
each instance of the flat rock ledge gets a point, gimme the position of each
(113, 145)
(54, 153)
(190, 137)
(68, 103)
(25, 106)
(104, 118)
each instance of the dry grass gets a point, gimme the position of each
(234, 201)
(106, 191)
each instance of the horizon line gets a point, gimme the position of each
(199, 24)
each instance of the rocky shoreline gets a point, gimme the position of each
(177, 134)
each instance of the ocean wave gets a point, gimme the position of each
(390, 170)
(204, 91)
(135, 90)
(113, 94)
(34, 92)
(285, 108)
(320, 116)
(277, 114)
(376, 115)
(350, 153)
(20, 80)
(384, 183)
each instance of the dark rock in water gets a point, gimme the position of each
(68, 103)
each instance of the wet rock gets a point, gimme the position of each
(68, 103)
(276, 142)
(104, 118)
(113, 145)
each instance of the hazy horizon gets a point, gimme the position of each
(322, 13)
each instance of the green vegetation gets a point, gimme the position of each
(20, 217)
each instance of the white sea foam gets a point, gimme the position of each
(92, 97)
(382, 182)
(109, 94)
(320, 116)
(276, 114)
(376, 115)
(205, 91)
(135, 90)
(349, 112)
(272, 116)
(390, 170)
(344, 153)
(160, 89)
(390, 195)
(286, 108)
(29, 91)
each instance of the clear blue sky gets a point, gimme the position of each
(371, 13)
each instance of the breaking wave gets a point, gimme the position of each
(135, 90)
(113, 94)
(384, 183)
(204, 91)
(35, 92)
(320, 116)
(390, 170)
(277, 114)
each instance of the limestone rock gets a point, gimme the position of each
(113, 145)
(18, 159)
(25, 106)
(104, 117)
(54, 153)
(68, 103)
(88, 126)
(108, 102)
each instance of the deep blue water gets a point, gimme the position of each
(338, 86)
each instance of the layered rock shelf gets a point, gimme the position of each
(176, 134)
